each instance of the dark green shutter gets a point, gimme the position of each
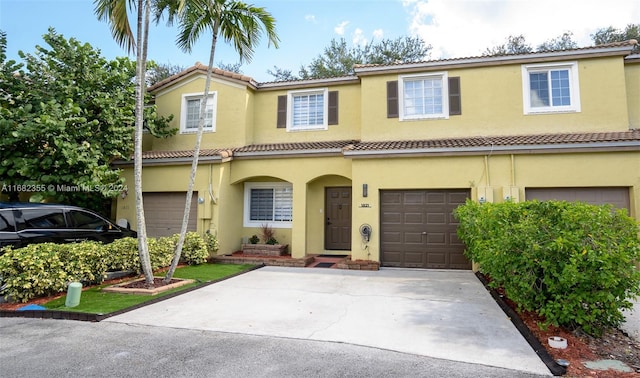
(282, 112)
(333, 108)
(392, 99)
(455, 102)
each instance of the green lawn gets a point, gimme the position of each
(95, 301)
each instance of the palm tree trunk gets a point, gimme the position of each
(141, 52)
(194, 162)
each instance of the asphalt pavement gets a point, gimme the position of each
(66, 348)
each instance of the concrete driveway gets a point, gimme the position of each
(442, 314)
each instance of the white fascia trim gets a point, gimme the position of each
(493, 59)
(526, 147)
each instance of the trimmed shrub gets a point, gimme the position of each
(122, 254)
(33, 271)
(161, 251)
(83, 262)
(194, 250)
(572, 263)
(211, 241)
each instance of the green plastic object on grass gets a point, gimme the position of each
(73, 294)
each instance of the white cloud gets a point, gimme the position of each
(458, 28)
(358, 38)
(341, 27)
(311, 18)
(378, 34)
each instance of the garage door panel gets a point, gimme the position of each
(616, 196)
(436, 238)
(413, 199)
(436, 218)
(164, 213)
(429, 229)
(413, 218)
(413, 238)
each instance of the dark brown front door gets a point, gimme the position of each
(337, 230)
(418, 229)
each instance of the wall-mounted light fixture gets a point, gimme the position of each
(200, 200)
(365, 190)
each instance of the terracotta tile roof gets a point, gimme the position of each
(496, 142)
(297, 146)
(539, 142)
(202, 68)
(181, 154)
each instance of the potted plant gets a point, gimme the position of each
(269, 245)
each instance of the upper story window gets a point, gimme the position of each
(268, 202)
(307, 110)
(423, 96)
(190, 112)
(550, 88)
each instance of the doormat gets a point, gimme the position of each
(335, 256)
(324, 265)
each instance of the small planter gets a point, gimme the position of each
(265, 249)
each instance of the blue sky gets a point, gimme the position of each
(455, 28)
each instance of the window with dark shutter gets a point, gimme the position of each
(282, 112)
(333, 108)
(392, 99)
(455, 102)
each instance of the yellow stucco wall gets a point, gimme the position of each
(234, 116)
(546, 170)
(492, 104)
(300, 172)
(632, 75)
(348, 127)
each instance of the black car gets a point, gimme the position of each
(27, 223)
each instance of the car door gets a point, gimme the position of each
(8, 235)
(41, 225)
(85, 225)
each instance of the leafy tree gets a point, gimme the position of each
(65, 116)
(514, 45)
(160, 71)
(231, 67)
(338, 59)
(611, 34)
(563, 42)
(239, 24)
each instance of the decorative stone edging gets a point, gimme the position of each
(119, 288)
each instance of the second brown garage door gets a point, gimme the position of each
(418, 229)
(164, 211)
(616, 196)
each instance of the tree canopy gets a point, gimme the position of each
(65, 115)
(338, 59)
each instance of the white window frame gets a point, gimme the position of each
(212, 101)
(325, 108)
(444, 79)
(247, 203)
(574, 88)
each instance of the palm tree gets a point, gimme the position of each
(115, 13)
(239, 24)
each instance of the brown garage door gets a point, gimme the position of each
(616, 196)
(418, 229)
(163, 213)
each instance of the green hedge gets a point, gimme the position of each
(44, 269)
(572, 263)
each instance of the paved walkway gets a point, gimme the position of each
(442, 314)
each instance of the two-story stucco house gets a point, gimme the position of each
(396, 147)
